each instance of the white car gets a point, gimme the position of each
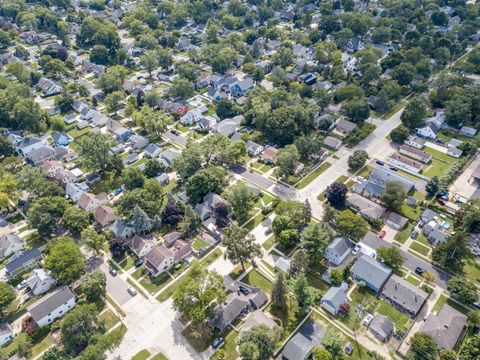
(367, 319)
(132, 291)
(360, 178)
(21, 285)
(356, 249)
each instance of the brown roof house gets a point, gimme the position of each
(90, 202)
(161, 258)
(269, 155)
(52, 167)
(104, 215)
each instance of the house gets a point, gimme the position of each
(138, 142)
(61, 138)
(382, 327)
(73, 175)
(28, 144)
(320, 154)
(163, 179)
(141, 245)
(445, 327)
(40, 281)
(337, 251)
(121, 229)
(169, 156)
(130, 159)
(404, 163)
(365, 207)
(10, 244)
(51, 167)
(74, 191)
(253, 148)
(24, 262)
(52, 306)
(435, 232)
(161, 258)
(122, 134)
(48, 87)
(104, 215)
(257, 318)
(404, 296)
(320, 120)
(332, 143)
(6, 333)
(301, 345)
(152, 151)
(92, 178)
(396, 221)
(427, 216)
(345, 127)
(429, 131)
(205, 210)
(36, 157)
(89, 202)
(333, 299)
(468, 131)
(269, 155)
(415, 142)
(455, 152)
(415, 153)
(372, 272)
(298, 167)
(226, 127)
(381, 176)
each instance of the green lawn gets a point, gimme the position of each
(312, 175)
(159, 356)
(255, 279)
(12, 348)
(411, 212)
(108, 182)
(154, 284)
(472, 269)
(76, 133)
(341, 179)
(109, 318)
(40, 346)
(137, 274)
(402, 236)
(360, 296)
(199, 337)
(212, 256)
(422, 239)
(128, 263)
(314, 276)
(436, 168)
(439, 155)
(422, 249)
(199, 243)
(267, 245)
(289, 317)
(142, 355)
(400, 319)
(393, 110)
(365, 171)
(251, 224)
(444, 299)
(229, 347)
(263, 168)
(413, 280)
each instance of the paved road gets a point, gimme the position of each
(116, 287)
(411, 261)
(177, 139)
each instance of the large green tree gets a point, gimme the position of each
(78, 327)
(352, 225)
(462, 289)
(423, 347)
(7, 295)
(94, 284)
(258, 342)
(414, 113)
(64, 260)
(314, 240)
(391, 256)
(394, 195)
(241, 246)
(94, 151)
(241, 200)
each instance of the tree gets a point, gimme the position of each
(301, 291)
(463, 289)
(117, 248)
(399, 134)
(172, 214)
(20, 71)
(314, 240)
(112, 79)
(336, 276)
(321, 354)
(99, 55)
(94, 284)
(429, 277)
(241, 245)
(404, 73)
(226, 108)
(414, 113)
(287, 160)
(258, 342)
(432, 186)
(394, 195)
(241, 200)
(65, 260)
(391, 256)
(198, 293)
(78, 327)
(210, 179)
(470, 348)
(352, 225)
(165, 59)
(149, 61)
(94, 150)
(7, 295)
(280, 292)
(113, 101)
(75, 220)
(153, 168)
(182, 88)
(64, 101)
(451, 253)
(190, 222)
(357, 160)
(45, 214)
(6, 148)
(357, 110)
(132, 178)
(447, 354)
(336, 194)
(423, 347)
(5, 40)
(331, 341)
(93, 240)
(53, 353)
(470, 213)
(154, 122)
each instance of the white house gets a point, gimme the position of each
(90, 202)
(338, 250)
(415, 142)
(6, 334)
(429, 131)
(52, 306)
(141, 246)
(40, 281)
(51, 167)
(334, 298)
(74, 191)
(10, 244)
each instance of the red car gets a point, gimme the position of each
(381, 234)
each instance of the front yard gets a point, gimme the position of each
(312, 175)
(255, 279)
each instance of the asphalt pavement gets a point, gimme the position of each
(177, 139)
(116, 287)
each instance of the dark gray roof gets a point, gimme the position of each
(336, 296)
(382, 176)
(27, 257)
(382, 326)
(44, 306)
(300, 346)
(340, 245)
(404, 294)
(397, 219)
(445, 327)
(229, 312)
(372, 271)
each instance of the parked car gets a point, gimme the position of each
(476, 304)
(21, 285)
(360, 178)
(419, 270)
(138, 263)
(393, 168)
(382, 234)
(356, 249)
(380, 162)
(217, 342)
(367, 319)
(132, 291)
(174, 132)
(243, 290)
(414, 234)
(112, 271)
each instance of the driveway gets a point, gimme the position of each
(411, 261)
(116, 287)
(177, 139)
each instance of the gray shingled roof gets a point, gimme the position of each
(402, 293)
(445, 327)
(372, 271)
(340, 245)
(382, 326)
(300, 346)
(44, 306)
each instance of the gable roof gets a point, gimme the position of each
(336, 296)
(340, 245)
(300, 346)
(445, 327)
(372, 271)
(229, 312)
(382, 326)
(27, 257)
(50, 302)
(404, 294)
